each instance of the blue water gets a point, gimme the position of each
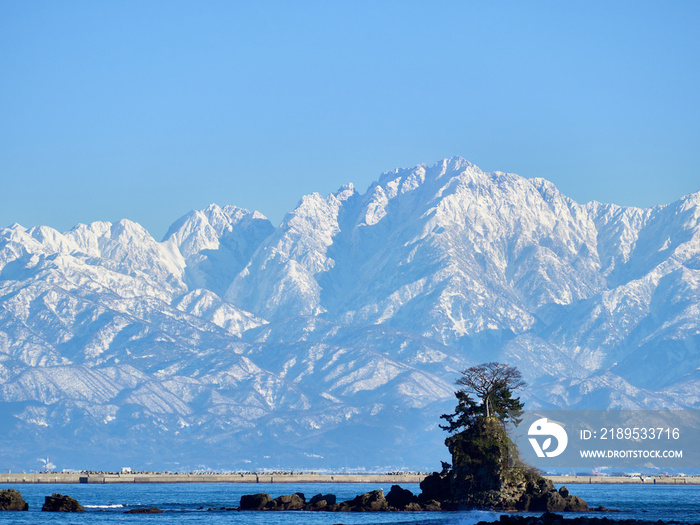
(191, 503)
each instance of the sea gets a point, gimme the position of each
(211, 503)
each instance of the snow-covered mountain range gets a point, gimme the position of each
(334, 340)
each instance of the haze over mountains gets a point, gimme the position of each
(334, 340)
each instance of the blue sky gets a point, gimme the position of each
(146, 110)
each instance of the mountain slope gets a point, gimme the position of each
(334, 340)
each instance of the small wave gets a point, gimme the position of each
(475, 516)
(115, 506)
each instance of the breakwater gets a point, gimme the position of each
(625, 480)
(287, 477)
(168, 477)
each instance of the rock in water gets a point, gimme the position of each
(290, 502)
(400, 498)
(321, 501)
(11, 499)
(151, 510)
(255, 501)
(59, 503)
(487, 473)
(369, 502)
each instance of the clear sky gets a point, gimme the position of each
(145, 110)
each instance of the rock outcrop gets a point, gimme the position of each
(369, 502)
(487, 473)
(59, 503)
(295, 501)
(402, 499)
(254, 501)
(322, 501)
(11, 499)
(398, 499)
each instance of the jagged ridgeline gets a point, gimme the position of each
(333, 339)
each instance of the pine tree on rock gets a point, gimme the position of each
(486, 470)
(492, 383)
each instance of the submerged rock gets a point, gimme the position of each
(11, 499)
(151, 510)
(59, 503)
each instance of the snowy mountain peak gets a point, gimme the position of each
(127, 230)
(345, 191)
(201, 229)
(548, 190)
(217, 243)
(347, 323)
(453, 165)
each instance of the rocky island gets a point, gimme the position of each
(486, 470)
(60, 503)
(480, 477)
(11, 499)
(483, 476)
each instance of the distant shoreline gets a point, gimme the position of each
(624, 480)
(285, 477)
(168, 477)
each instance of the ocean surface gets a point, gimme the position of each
(203, 503)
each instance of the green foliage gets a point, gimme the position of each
(494, 384)
(466, 413)
(505, 406)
